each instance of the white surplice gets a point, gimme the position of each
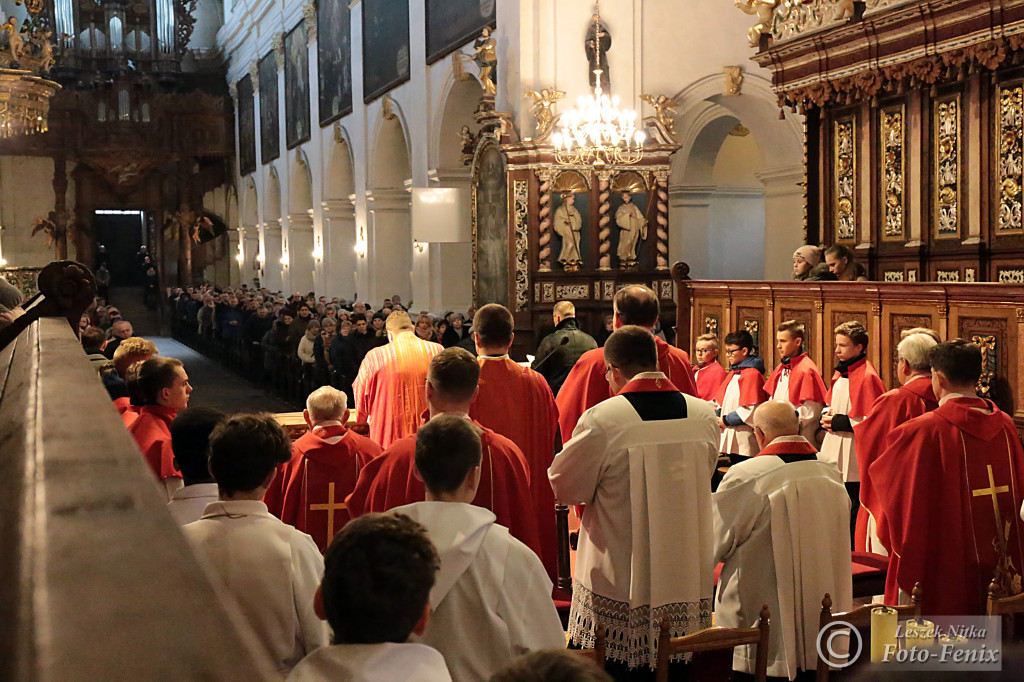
(782, 531)
(491, 600)
(188, 504)
(384, 662)
(837, 448)
(737, 440)
(809, 411)
(269, 569)
(645, 544)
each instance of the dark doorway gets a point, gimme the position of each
(122, 233)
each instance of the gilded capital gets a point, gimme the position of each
(309, 17)
(278, 43)
(254, 74)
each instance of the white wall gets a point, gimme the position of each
(26, 193)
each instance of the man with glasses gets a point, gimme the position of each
(738, 395)
(708, 373)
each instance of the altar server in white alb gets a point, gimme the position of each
(796, 379)
(491, 601)
(855, 388)
(268, 568)
(379, 571)
(641, 461)
(781, 520)
(740, 392)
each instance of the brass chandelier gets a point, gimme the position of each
(597, 132)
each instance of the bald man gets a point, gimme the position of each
(559, 351)
(780, 524)
(587, 383)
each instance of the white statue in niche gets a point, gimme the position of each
(633, 228)
(568, 223)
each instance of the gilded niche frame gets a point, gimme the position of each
(845, 183)
(892, 175)
(1009, 149)
(947, 195)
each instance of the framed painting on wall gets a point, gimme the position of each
(246, 127)
(334, 56)
(452, 23)
(270, 118)
(296, 86)
(385, 46)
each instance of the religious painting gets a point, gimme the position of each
(334, 55)
(270, 118)
(385, 46)
(246, 126)
(296, 86)
(491, 223)
(453, 23)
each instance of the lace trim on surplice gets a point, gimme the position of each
(632, 634)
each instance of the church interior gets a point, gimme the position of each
(322, 206)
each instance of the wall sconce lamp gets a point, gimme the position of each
(420, 246)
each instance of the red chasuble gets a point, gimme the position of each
(805, 382)
(152, 433)
(865, 387)
(517, 402)
(708, 378)
(309, 491)
(950, 485)
(389, 481)
(586, 384)
(129, 413)
(751, 387)
(892, 409)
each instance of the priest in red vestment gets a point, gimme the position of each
(950, 484)
(796, 379)
(587, 385)
(708, 373)
(388, 389)
(164, 388)
(390, 480)
(309, 490)
(516, 402)
(912, 399)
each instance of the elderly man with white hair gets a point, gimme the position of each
(913, 398)
(309, 491)
(781, 521)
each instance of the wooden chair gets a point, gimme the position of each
(715, 639)
(1004, 607)
(860, 618)
(597, 654)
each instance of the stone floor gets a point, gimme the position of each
(214, 386)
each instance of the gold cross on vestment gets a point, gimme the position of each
(331, 506)
(992, 490)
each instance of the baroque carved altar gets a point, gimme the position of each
(517, 190)
(914, 130)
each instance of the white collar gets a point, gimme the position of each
(954, 396)
(236, 509)
(495, 357)
(461, 415)
(919, 376)
(197, 490)
(788, 439)
(649, 375)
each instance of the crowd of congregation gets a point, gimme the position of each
(679, 466)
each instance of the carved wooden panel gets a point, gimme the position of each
(844, 154)
(1010, 147)
(946, 181)
(892, 199)
(752, 320)
(992, 334)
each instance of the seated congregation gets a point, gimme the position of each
(708, 496)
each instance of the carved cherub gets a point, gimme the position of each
(542, 103)
(468, 144)
(764, 10)
(14, 41)
(664, 110)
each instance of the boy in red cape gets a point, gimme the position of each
(164, 389)
(390, 480)
(586, 384)
(309, 491)
(855, 387)
(950, 482)
(912, 399)
(516, 402)
(708, 373)
(796, 379)
(740, 392)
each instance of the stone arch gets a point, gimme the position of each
(272, 198)
(389, 239)
(300, 186)
(339, 218)
(718, 219)
(250, 205)
(459, 101)
(340, 180)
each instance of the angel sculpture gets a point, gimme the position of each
(764, 10)
(542, 103)
(14, 42)
(664, 111)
